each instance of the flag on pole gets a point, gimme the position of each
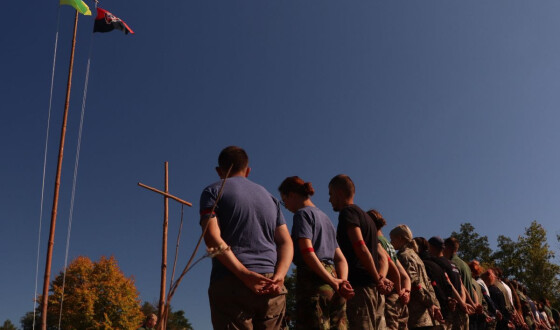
(79, 5)
(106, 22)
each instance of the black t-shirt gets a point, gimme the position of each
(353, 216)
(451, 270)
(436, 274)
(500, 302)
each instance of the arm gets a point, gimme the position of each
(456, 295)
(382, 257)
(340, 264)
(404, 294)
(285, 250)
(213, 238)
(467, 300)
(366, 259)
(311, 260)
(392, 272)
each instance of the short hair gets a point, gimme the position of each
(297, 185)
(486, 274)
(437, 243)
(475, 267)
(344, 184)
(234, 157)
(452, 243)
(377, 218)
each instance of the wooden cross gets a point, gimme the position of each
(166, 196)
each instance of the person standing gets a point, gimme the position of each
(443, 289)
(396, 310)
(322, 271)
(247, 226)
(457, 317)
(423, 309)
(451, 247)
(149, 323)
(357, 237)
(502, 314)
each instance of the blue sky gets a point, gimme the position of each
(442, 112)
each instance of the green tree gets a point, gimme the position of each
(175, 321)
(529, 260)
(178, 321)
(26, 321)
(8, 325)
(290, 284)
(472, 246)
(97, 295)
(538, 272)
(508, 257)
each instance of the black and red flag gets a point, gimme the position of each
(106, 22)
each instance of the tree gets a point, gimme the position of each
(508, 257)
(27, 320)
(178, 321)
(529, 261)
(472, 246)
(8, 325)
(290, 284)
(175, 321)
(97, 295)
(539, 273)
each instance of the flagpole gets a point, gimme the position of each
(45, 298)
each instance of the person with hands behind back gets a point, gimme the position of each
(247, 279)
(357, 236)
(322, 271)
(423, 308)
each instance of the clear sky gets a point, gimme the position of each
(442, 112)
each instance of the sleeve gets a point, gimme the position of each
(279, 215)
(303, 226)
(207, 200)
(418, 287)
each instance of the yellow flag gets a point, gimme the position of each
(80, 6)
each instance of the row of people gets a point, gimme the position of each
(346, 277)
(507, 304)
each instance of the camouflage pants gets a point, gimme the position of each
(366, 310)
(318, 305)
(396, 314)
(457, 320)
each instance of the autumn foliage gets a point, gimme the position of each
(97, 295)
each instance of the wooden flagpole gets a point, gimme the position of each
(45, 298)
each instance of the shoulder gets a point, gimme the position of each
(211, 190)
(351, 213)
(302, 214)
(407, 256)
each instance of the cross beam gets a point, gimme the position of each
(165, 194)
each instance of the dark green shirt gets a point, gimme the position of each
(465, 272)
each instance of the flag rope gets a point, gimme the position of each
(74, 180)
(45, 166)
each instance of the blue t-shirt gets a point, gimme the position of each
(312, 223)
(248, 216)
